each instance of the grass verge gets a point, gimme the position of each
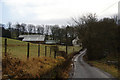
(107, 68)
(42, 67)
(111, 68)
(32, 68)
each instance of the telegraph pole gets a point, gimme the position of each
(67, 39)
(118, 20)
(118, 49)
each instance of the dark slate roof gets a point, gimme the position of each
(51, 42)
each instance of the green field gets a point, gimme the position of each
(19, 49)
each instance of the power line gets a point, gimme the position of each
(107, 8)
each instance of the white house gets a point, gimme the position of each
(76, 43)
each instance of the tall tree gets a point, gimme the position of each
(18, 29)
(47, 29)
(40, 29)
(10, 27)
(97, 36)
(55, 31)
(23, 28)
(30, 28)
(34, 29)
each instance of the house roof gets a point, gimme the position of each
(22, 36)
(32, 37)
(51, 42)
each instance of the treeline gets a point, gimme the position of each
(52, 32)
(100, 37)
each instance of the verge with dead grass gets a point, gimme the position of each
(32, 68)
(107, 68)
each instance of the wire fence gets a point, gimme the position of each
(28, 50)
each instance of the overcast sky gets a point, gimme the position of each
(54, 11)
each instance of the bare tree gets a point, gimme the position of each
(9, 25)
(23, 29)
(40, 29)
(47, 29)
(54, 31)
(85, 19)
(10, 28)
(18, 26)
(30, 28)
(34, 29)
(115, 17)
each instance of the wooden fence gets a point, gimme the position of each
(29, 47)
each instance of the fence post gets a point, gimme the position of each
(73, 49)
(50, 51)
(66, 49)
(45, 50)
(55, 54)
(5, 46)
(28, 47)
(38, 50)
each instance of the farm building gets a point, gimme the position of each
(51, 42)
(33, 38)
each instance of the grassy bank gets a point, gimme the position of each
(33, 68)
(18, 49)
(63, 70)
(16, 65)
(108, 64)
(107, 68)
(43, 67)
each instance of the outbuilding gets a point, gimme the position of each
(51, 42)
(33, 38)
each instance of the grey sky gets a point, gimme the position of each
(54, 11)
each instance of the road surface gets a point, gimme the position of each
(83, 70)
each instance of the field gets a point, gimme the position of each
(19, 67)
(18, 49)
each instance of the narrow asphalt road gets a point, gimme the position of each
(83, 70)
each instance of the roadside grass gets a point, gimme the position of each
(18, 49)
(103, 64)
(32, 68)
(107, 68)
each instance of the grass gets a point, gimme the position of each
(15, 64)
(107, 68)
(18, 49)
(32, 68)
